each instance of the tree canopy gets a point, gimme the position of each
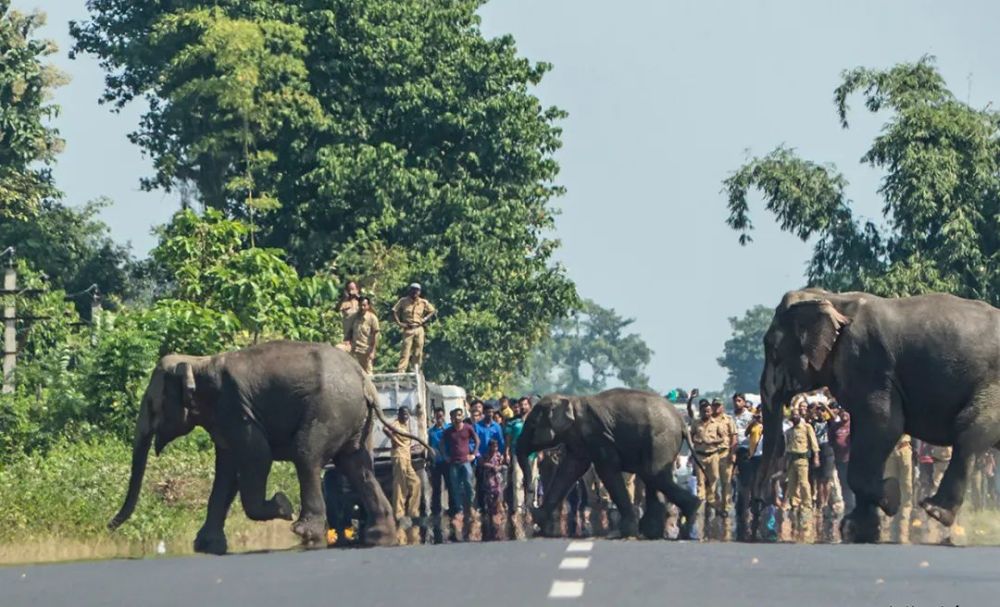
(941, 192)
(743, 353)
(357, 133)
(585, 352)
(28, 145)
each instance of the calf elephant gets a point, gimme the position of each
(928, 366)
(307, 403)
(615, 431)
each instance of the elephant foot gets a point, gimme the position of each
(311, 530)
(206, 543)
(380, 534)
(653, 523)
(891, 496)
(628, 527)
(942, 514)
(860, 527)
(283, 506)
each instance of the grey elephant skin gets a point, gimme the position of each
(616, 431)
(307, 403)
(927, 365)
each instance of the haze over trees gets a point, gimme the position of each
(743, 353)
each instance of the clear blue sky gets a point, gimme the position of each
(665, 99)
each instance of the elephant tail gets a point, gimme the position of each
(371, 398)
(694, 454)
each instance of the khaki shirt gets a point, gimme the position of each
(941, 454)
(727, 429)
(412, 312)
(364, 328)
(904, 442)
(400, 444)
(705, 434)
(801, 439)
(347, 311)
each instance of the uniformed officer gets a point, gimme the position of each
(349, 306)
(899, 465)
(411, 313)
(405, 482)
(800, 446)
(364, 335)
(727, 433)
(707, 444)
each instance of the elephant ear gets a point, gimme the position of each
(185, 373)
(563, 415)
(817, 324)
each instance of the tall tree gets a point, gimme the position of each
(28, 146)
(941, 193)
(743, 353)
(585, 352)
(387, 126)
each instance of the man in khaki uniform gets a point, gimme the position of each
(349, 306)
(801, 445)
(405, 482)
(707, 443)
(411, 313)
(899, 465)
(364, 336)
(726, 431)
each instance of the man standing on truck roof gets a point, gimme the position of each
(412, 313)
(456, 443)
(364, 335)
(439, 470)
(405, 483)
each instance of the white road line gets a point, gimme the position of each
(580, 547)
(562, 589)
(575, 562)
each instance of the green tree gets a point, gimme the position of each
(27, 145)
(941, 193)
(382, 126)
(743, 353)
(73, 248)
(584, 352)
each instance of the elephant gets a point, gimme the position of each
(308, 403)
(926, 365)
(616, 431)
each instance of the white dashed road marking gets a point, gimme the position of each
(575, 562)
(572, 589)
(562, 589)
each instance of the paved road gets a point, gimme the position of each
(607, 573)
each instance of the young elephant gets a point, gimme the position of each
(617, 431)
(307, 403)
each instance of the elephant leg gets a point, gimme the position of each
(976, 430)
(311, 524)
(358, 468)
(611, 476)
(254, 468)
(873, 436)
(569, 470)
(211, 538)
(685, 501)
(653, 523)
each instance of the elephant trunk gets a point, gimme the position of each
(774, 441)
(140, 453)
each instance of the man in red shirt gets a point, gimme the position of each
(840, 440)
(457, 441)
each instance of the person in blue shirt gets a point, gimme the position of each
(486, 429)
(439, 467)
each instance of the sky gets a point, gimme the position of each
(665, 99)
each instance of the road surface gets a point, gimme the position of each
(536, 572)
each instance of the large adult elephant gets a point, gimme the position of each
(927, 365)
(307, 403)
(616, 431)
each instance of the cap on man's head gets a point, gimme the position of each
(717, 402)
(415, 285)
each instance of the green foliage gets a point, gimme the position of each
(743, 353)
(72, 491)
(584, 352)
(73, 247)
(941, 189)
(27, 145)
(395, 140)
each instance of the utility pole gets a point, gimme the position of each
(9, 322)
